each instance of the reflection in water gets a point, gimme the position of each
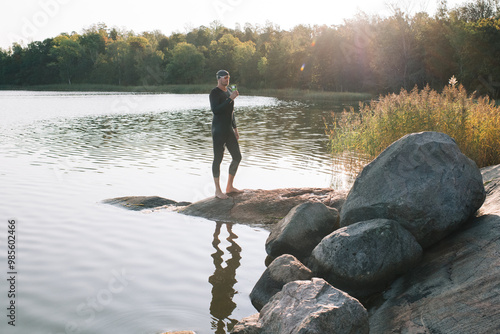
(223, 280)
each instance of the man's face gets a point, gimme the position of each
(224, 80)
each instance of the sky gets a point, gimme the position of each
(24, 21)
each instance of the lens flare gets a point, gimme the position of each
(302, 67)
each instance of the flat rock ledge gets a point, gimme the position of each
(262, 207)
(251, 207)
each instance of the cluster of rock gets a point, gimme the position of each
(328, 264)
(403, 252)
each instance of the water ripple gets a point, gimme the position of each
(62, 153)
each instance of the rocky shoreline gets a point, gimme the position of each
(412, 269)
(411, 248)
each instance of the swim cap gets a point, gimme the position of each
(222, 73)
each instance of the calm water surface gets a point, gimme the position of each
(86, 267)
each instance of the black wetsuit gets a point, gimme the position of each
(223, 125)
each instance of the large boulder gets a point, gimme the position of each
(301, 230)
(455, 288)
(284, 269)
(365, 257)
(422, 181)
(312, 307)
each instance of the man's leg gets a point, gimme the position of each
(234, 149)
(218, 155)
(218, 191)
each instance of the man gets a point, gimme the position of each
(224, 132)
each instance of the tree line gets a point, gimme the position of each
(364, 54)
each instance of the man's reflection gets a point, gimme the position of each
(223, 279)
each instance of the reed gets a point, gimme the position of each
(473, 122)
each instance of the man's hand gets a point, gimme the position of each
(237, 135)
(234, 95)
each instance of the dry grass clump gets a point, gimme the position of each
(473, 122)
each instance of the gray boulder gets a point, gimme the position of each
(365, 257)
(284, 269)
(301, 230)
(313, 307)
(455, 288)
(422, 181)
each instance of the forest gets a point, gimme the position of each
(363, 54)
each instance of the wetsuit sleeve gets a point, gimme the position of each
(216, 106)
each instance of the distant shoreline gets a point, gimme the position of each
(285, 93)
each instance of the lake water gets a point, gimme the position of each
(86, 267)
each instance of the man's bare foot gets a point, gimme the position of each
(233, 190)
(221, 195)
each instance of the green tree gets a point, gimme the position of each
(482, 47)
(175, 39)
(186, 65)
(396, 57)
(262, 68)
(201, 36)
(439, 58)
(476, 10)
(154, 38)
(222, 54)
(93, 44)
(117, 53)
(328, 60)
(245, 63)
(67, 52)
(34, 69)
(4, 65)
(150, 67)
(287, 56)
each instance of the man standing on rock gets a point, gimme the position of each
(224, 132)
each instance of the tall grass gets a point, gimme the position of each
(474, 123)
